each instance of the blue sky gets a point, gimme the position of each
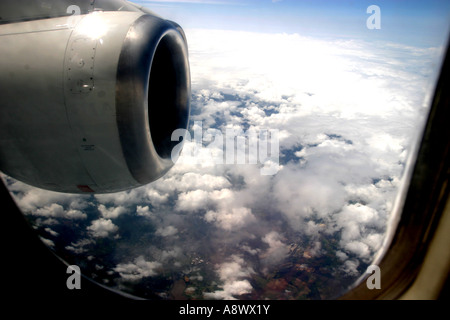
(421, 23)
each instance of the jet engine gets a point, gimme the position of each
(90, 93)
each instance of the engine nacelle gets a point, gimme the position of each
(88, 103)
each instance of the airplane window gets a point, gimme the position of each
(304, 116)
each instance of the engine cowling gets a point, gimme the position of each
(88, 103)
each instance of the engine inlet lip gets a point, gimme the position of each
(144, 129)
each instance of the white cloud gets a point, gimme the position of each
(192, 200)
(301, 194)
(80, 246)
(174, 253)
(55, 210)
(166, 231)
(102, 228)
(350, 267)
(48, 242)
(232, 273)
(143, 211)
(45, 203)
(358, 248)
(353, 114)
(341, 255)
(231, 219)
(374, 241)
(277, 250)
(125, 198)
(230, 290)
(353, 219)
(112, 212)
(52, 232)
(138, 269)
(155, 198)
(196, 181)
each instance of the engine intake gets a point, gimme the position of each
(90, 105)
(153, 77)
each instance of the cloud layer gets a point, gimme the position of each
(347, 113)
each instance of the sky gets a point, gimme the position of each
(410, 22)
(348, 111)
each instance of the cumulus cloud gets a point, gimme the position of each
(138, 269)
(358, 248)
(155, 198)
(55, 210)
(277, 250)
(112, 212)
(230, 290)
(233, 274)
(102, 228)
(192, 200)
(52, 232)
(45, 203)
(196, 181)
(346, 121)
(350, 267)
(48, 242)
(166, 231)
(230, 219)
(125, 199)
(80, 246)
(143, 211)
